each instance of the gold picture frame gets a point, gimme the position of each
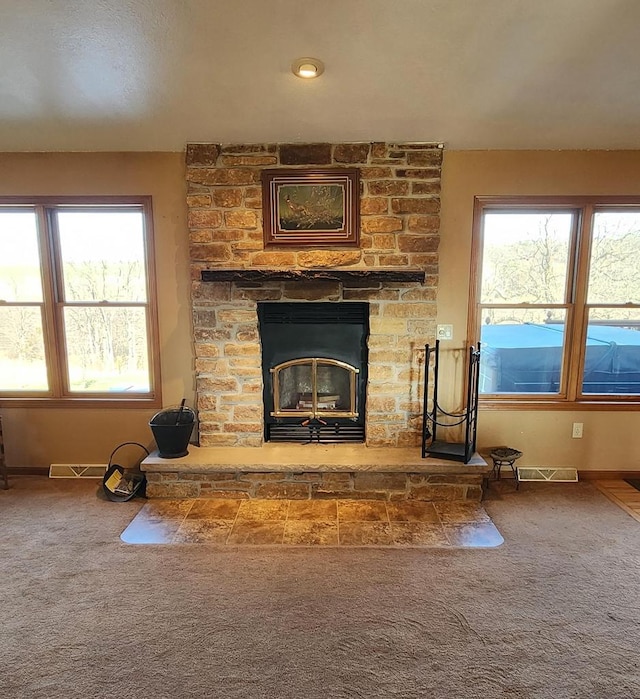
(312, 208)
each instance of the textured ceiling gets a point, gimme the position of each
(156, 74)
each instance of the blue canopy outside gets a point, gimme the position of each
(527, 359)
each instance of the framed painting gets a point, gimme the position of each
(311, 207)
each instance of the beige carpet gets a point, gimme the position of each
(553, 612)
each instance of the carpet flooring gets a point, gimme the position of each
(553, 612)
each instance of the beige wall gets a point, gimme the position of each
(39, 437)
(611, 439)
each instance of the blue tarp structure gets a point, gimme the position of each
(527, 359)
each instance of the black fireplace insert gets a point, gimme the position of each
(314, 365)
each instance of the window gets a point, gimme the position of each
(77, 301)
(556, 300)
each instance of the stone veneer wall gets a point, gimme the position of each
(400, 222)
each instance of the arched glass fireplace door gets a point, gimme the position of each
(314, 387)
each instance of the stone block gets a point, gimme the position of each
(172, 490)
(217, 384)
(374, 205)
(387, 326)
(379, 149)
(305, 154)
(227, 198)
(290, 491)
(206, 350)
(240, 148)
(381, 373)
(210, 291)
(380, 404)
(202, 153)
(223, 176)
(425, 187)
(388, 188)
(312, 291)
(417, 223)
(242, 427)
(204, 318)
(217, 440)
(382, 224)
(411, 310)
(418, 243)
(393, 260)
(256, 160)
(305, 477)
(414, 205)
(240, 219)
(419, 294)
(430, 158)
(253, 477)
(204, 218)
(206, 335)
(380, 481)
(328, 258)
(384, 241)
(237, 315)
(214, 252)
(247, 335)
(337, 481)
(351, 152)
(375, 173)
(273, 259)
(247, 412)
(201, 235)
(242, 350)
(199, 201)
(430, 173)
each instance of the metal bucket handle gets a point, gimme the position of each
(124, 444)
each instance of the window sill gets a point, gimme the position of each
(559, 405)
(83, 403)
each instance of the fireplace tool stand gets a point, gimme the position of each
(431, 421)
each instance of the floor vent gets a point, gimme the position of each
(557, 475)
(77, 470)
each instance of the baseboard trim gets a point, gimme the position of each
(607, 475)
(28, 470)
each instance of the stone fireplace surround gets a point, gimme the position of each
(399, 212)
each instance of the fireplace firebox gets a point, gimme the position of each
(314, 364)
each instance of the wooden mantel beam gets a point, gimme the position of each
(378, 274)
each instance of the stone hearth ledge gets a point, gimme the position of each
(313, 471)
(297, 458)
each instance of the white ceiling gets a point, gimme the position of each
(155, 74)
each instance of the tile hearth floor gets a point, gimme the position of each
(313, 523)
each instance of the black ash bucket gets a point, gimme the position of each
(172, 428)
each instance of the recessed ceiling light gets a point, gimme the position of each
(307, 67)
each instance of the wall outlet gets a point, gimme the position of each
(576, 433)
(444, 332)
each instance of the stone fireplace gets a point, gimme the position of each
(355, 373)
(399, 218)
